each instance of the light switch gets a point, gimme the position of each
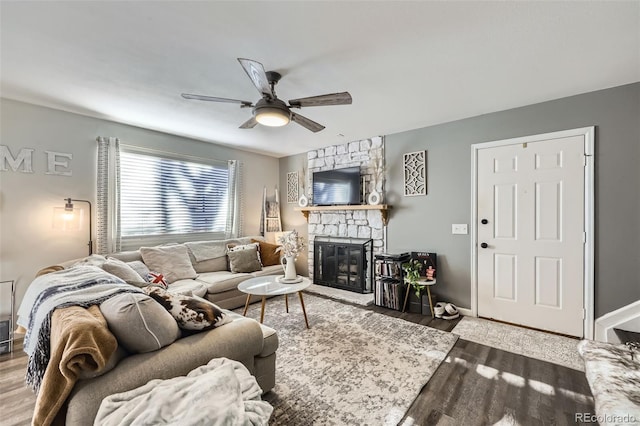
(459, 228)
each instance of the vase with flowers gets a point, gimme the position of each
(290, 245)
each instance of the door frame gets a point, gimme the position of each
(589, 212)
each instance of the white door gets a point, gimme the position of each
(530, 230)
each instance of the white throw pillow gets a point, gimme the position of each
(172, 262)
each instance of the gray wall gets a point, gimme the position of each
(424, 223)
(292, 219)
(28, 241)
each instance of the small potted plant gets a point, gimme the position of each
(412, 275)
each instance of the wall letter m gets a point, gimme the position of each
(24, 159)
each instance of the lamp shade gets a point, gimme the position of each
(65, 219)
(272, 112)
(69, 218)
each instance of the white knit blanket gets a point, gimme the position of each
(223, 392)
(80, 286)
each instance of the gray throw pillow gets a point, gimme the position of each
(140, 268)
(121, 270)
(244, 260)
(172, 262)
(139, 323)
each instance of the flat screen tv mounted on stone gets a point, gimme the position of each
(337, 187)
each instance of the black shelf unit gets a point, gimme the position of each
(344, 263)
(389, 287)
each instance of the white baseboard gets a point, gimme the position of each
(465, 312)
(627, 315)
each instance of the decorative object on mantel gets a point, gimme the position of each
(303, 201)
(292, 187)
(69, 218)
(415, 173)
(291, 245)
(375, 196)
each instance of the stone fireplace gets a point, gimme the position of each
(347, 223)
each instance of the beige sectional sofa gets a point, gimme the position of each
(214, 281)
(243, 339)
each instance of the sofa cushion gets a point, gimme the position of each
(211, 265)
(188, 288)
(127, 256)
(171, 261)
(244, 260)
(269, 335)
(191, 313)
(268, 254)
(269, 270)
(139, 323)
(122, 270)
(221, 281)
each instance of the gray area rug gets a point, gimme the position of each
(534, 344)
(344, 295)
(352, 367)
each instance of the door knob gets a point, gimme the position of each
(484, 245)
(484, 221)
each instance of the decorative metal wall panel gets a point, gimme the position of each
(415, 173)
(292, 187)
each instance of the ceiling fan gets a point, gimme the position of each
(271, 111)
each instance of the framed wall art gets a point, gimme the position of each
(415, 173)
(292, 187)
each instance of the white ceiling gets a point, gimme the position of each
(406, 64)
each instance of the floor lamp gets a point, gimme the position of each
(72, 221)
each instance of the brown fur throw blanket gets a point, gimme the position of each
(80, 343)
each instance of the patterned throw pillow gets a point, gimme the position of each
(157, 279)
(189, 312)
(239, 247)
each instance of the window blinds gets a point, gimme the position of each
(163, 196)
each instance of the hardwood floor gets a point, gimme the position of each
(476, 385)
(17, 401)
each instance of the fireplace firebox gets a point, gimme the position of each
(344, 263)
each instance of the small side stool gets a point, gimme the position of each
(423, 283)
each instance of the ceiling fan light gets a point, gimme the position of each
(273, 117)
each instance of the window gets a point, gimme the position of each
(172, 199)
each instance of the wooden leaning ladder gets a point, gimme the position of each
(271, 221)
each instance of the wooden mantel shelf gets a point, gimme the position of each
(384, 210)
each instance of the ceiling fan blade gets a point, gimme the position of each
(215, 99)
(342, 98)
(305, 122)
(249, 124)
(256, 73)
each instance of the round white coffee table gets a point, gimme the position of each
(267, 286)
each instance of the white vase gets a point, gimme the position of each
(374, 198)
(303, 201)
(289, 266)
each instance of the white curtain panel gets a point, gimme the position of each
(108, 238)
(236, 201)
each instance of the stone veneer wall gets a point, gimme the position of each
(347, 223)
